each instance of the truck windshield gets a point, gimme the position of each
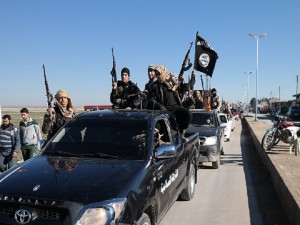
(202, 119)
(118, 138)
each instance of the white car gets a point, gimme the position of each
(228, 128)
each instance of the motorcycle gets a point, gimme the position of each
(282, 130)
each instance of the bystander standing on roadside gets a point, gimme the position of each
(9, 143)
(62, 112)
(30, 134)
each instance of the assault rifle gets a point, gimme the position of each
(48, 94)
(186, 60)
(113, 71)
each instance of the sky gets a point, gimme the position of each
(74, 39)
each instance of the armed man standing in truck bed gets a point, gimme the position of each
(124, 92)
(163, 96)
(61, 113)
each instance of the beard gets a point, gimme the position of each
(5, 126)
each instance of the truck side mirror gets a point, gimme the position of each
(165, 151)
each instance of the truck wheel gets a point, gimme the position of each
(144, 220)
(188, 193)
(216, 164)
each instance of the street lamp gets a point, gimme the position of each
(256, 37)
(247, 90)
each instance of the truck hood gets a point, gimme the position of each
(82, 180)
(202, 131)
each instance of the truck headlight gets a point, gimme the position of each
(210, 141)
(102, 213)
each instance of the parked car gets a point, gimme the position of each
(228, 125)
(103, 167)
(211, 133)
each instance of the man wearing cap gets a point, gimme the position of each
(124, 94)
(56, 117)
(152, 77)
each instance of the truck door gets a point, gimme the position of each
(165, 170)
(180, 161)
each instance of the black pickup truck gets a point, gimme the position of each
(104, 167)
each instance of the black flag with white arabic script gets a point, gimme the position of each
(205, 56)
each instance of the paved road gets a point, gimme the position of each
(238, 193)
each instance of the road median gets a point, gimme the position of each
(284, 168)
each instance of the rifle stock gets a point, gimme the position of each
(48, 94)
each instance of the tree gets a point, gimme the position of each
(253, 103)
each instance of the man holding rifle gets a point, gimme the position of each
(62, 112)
(124, 92)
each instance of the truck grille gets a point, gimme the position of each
(45, 209)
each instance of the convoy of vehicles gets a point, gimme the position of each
(106, 167)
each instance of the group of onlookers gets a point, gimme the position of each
(28, 135)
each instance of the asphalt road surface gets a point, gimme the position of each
(240, 192)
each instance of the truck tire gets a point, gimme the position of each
(216, 164)
(144, 220)
(188, 192)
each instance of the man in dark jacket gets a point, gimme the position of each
(214, 100)
(124, 94)
(9, 143)
(164, 96)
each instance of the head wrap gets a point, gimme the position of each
(62, 93)
(68, 112)
(125, 70)
(161, 69)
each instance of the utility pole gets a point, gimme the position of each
(296, 91)
(279, 101)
